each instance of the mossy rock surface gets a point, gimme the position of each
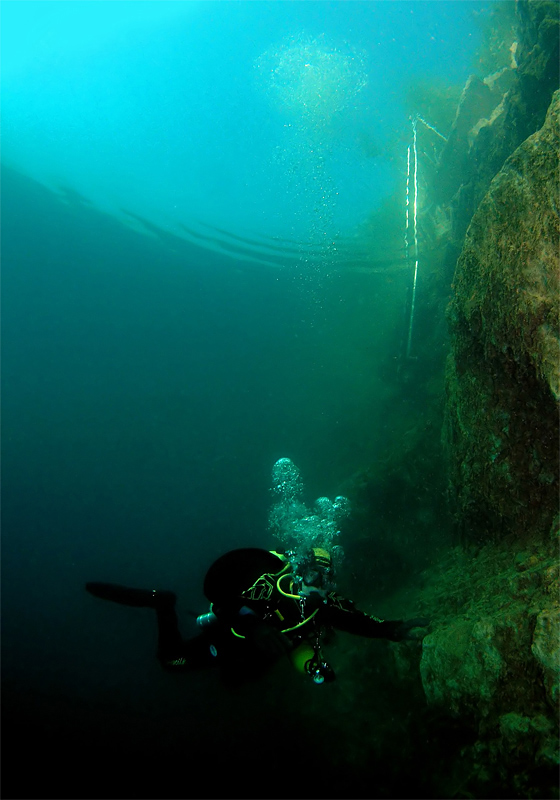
(503, 379)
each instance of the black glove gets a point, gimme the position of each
(406, 631)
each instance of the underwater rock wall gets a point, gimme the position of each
(503, 380)
(492, 659)
(486, 714)
(498, 466)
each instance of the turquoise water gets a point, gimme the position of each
(180, 112)
(191, 290)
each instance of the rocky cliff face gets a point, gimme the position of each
(484, 719)
(496, 114)
(503, 380)
(489, 666)
(492, 659)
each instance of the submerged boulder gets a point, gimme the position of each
(461, 666)
(492, 662)
(546, 650)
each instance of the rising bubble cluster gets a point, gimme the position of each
(312, 79)
(312, 83)
(297, 527)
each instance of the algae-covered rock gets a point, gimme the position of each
(503, 376)
(529, 740)
(491, 662)
(461, 666)
(546, 649)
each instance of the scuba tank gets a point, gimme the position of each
(207, 620)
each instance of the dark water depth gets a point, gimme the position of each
(147, 389)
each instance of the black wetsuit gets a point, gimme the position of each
(259, 614)
(256, 621)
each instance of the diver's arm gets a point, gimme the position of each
(343, 615)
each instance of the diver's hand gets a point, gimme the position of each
(408, 630)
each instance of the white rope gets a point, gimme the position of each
(414, 215)
(431, 127)
(406, 243)
(414, 232)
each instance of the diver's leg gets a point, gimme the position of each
(170, 641)
(174, 653)
(192, 654)
(125, 596)
(163, 602)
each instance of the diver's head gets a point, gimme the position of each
(315, 571)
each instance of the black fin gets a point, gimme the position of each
(138, 598)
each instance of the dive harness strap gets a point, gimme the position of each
(262, 590)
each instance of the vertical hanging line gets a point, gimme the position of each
(406, 241)
(414, 229)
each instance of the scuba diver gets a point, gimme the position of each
(264, 605)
